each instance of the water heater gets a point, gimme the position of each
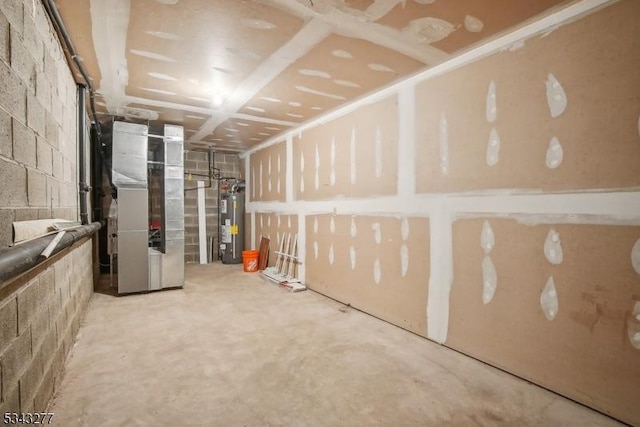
(231, 227)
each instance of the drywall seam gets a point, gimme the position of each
(549, 21)
(302, 245)
(247, 177)
(441, 271)
(253, 230)
(364, 27)
(592, 207)
(407, 142)
(204, 111)
(310, 35)
(110, 24)
(289, 169)
(260, 119)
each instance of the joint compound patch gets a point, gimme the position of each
(443, 144)
(633, 326)
(635, 256)
(352, 257)
(556, 97)
(332, 159)
(377, 232)
(492, 108)
(493, 148)
(404, 260)
(317, 180)
(489, 280)
(378, 151)
(352, 155)
(487, 238)
(377, 271)
(473, 24)
(404, 229)
(554, 154)
(549, 300)
(553, 248)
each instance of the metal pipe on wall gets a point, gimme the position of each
(20, 258)
(83, 186)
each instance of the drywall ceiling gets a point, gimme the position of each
(237, 72)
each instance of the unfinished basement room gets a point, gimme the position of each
(320, 213)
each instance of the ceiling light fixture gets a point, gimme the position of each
(218, 99)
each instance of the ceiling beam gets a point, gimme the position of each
(358, 24)
(110, 24)
(310, 35)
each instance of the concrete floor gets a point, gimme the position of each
(231, 349)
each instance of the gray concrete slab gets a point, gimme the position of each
(231, 349)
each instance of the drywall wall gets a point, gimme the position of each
(352, 156)
(374, 263)
(275, 227)
(268, 173)
(568, 288)
(513, 163)
(40, 312)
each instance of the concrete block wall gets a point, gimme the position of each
(38, 325)
(37, 120)
(197, 162)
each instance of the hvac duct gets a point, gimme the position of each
(143, 264)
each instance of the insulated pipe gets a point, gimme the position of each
(20, 258)
(83, 187)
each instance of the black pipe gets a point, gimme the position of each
(83, 187)
(210, 175)
(23, 257)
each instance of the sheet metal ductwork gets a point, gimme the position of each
(140, 264)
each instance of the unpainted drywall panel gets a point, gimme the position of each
(581, 343)
(377, 264)
(243, 133)
(187, 54)
(353, 156)
(559, 113)
(268, 174)
(275, 227)
(77, 21)
(248, 243)
(451, 26)
(359, 4)
(334, 71)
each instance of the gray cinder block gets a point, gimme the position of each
(16, 359)
(8, 323)
(27, 304)
(24, 144)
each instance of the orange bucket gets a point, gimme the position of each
(250, 261)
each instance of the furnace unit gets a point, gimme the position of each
(146, 217)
